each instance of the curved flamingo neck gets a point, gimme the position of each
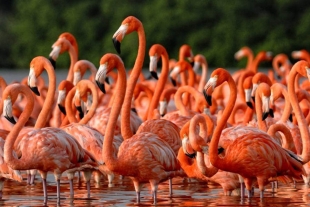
(298, 113)
(287, 107)
(73, 59)
(259, 113)
(213, 150)
(125, 118)
(288, 142)
(107, 149)
(160, 84)
(45, 113)
(14, 163)
(178, 98)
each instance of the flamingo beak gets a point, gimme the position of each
(35, 90)
(174, 82)
(291, 117)
(249, 103)
(101, 86)
(265, 115)
(62, 109)
(208, 98)
(271, 113)
(53, 62)
(10, 119)
(154, 75)
(80, 110)
(117, 45)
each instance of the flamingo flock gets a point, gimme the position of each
(241, 130)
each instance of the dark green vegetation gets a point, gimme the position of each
(216, 29)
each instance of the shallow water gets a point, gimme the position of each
(190, 193)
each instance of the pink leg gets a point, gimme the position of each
(44, 190)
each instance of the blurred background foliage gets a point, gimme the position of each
(216, 29)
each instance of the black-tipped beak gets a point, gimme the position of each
(154, 75)
(192, 63)
(53, 62)
(193, 155)
(162, 115)
(80, 110)
(117, 45)
(134, 110)
(35, 90)
(62, 109)
(265, 115)
(174, 83)
(107, 80)
(271, 113)
(291, 117)
(208, 98)
(10, 119)
(220, 150)
(253, 98)
(101, 87)
(249, 103)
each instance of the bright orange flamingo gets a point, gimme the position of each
(281, 65)
(59, 153)
(166, 101)
(141, 154)
(79, 69)
(302, 68)
(59, 47)
(166, 167)
(156, 52)
(142, 105)
(241, 154)
(67, 36)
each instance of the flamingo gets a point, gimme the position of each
(46, 149)
(144, 157)
(253, 154)
(200, 60)
(147, 156)
(89, 138)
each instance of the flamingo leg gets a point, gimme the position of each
(44, 190)
(31, 181)
(58, 188)
(170, 187)
(138, 189)
(88, 188)
(71, 188)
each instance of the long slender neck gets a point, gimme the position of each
(259, 113)
(178, 99)
(107, 149)
(203, 78)
(73, 59)
(49, 101)
(213, 150)
(287, 107)
(288, 142)
(93, 107)
(299, 116)
(69, 109)
(13, 162)
(125, 117)
(160, 84)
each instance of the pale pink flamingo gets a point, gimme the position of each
(89, 138)
(200, 61)
(59, 153)
(253, 154)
